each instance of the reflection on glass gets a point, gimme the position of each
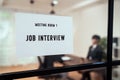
(116, 73)
(116, 31)
(6, 39)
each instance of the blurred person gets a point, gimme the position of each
(95, 54)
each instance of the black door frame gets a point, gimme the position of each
(108, 64)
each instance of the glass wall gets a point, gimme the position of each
(116, 40)
(116, 31)
(116, 73)
(90, 35)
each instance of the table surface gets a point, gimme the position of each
(75, 60)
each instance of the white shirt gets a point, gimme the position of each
(93, 47)
(42, 59)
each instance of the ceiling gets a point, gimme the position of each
(42, 6)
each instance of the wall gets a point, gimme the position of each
(7, 42)
(87, 22)
(116, 29)
(92, 20)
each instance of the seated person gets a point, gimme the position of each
(95, 54)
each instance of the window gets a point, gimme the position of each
(95, 18)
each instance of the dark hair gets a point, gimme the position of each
(97, 37)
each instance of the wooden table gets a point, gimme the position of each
(77, 60)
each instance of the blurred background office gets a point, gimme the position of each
(89, 17)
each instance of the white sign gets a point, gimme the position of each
(39, 35)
